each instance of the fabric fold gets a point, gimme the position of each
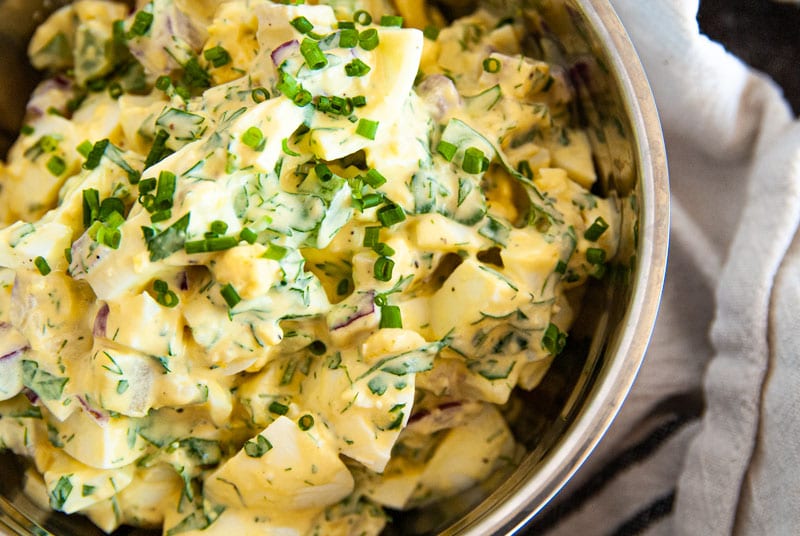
(728, 328)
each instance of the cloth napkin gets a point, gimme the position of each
(708, 441)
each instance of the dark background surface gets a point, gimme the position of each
(763, 33)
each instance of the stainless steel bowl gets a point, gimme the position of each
(563, 419)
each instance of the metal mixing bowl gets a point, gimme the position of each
(563, 419)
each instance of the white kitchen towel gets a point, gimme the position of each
(709, 439)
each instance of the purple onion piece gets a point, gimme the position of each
(363, 307)
(30, 395)
(15, 352)
(183, 281)
(442, 413)
(284, 52)
(439, 91)
(98, 416)
(101, 321)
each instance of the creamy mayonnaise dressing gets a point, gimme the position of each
(271, 268)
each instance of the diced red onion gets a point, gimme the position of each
(365, 306)
(284, 52)
(15, 352)
(30, 395)
(98, 416)
(183, 281)
(101, 321)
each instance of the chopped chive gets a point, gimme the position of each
(275, 252)
(356, 68)
(383, 249)
(362, 17)
(285, 147)
(141, 23)
(159, 149)
(595, 255)
(259, 95)
(491, 65)
(206, 245)
(68, 255)
(248, 235)
(122, 386)
(168, 298)
(115, 90)
(358, 101)
(302, 97)
(391, 20)
(278, 408)
(146, 186)
(48, 143)
(596, 229)
(194, 76)
(161, 215)
(84, 148)
(371, 200)
(374, 178)
(348, 38)
(163, 82)
(93, 159)
(27, 130)
(367, 128)
(219, 227)
(305, 422)
(524, 167)
(287, 85)
(218, 56)
(253, 138)
(368, 39)
(315, 58)
(56, 165)
(390, 317)
(255, 448)
(109, 237)
(372, 236)
(474, 161)
(302, 25)
(390, 214)
(165, 190)
(447, 150)
(340, 105)
(431, 32)
(561, 267)
(230, 295)
(91, 206)
(160, 286)
(323, 103)
(41, 265)
(383, 269)
(323, 172)
(553, 339)
(345, 24)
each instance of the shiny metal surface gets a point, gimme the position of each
(561, 421)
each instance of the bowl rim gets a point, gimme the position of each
(605, 401)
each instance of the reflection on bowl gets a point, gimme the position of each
(562, 420)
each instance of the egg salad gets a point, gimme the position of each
(275, 268)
